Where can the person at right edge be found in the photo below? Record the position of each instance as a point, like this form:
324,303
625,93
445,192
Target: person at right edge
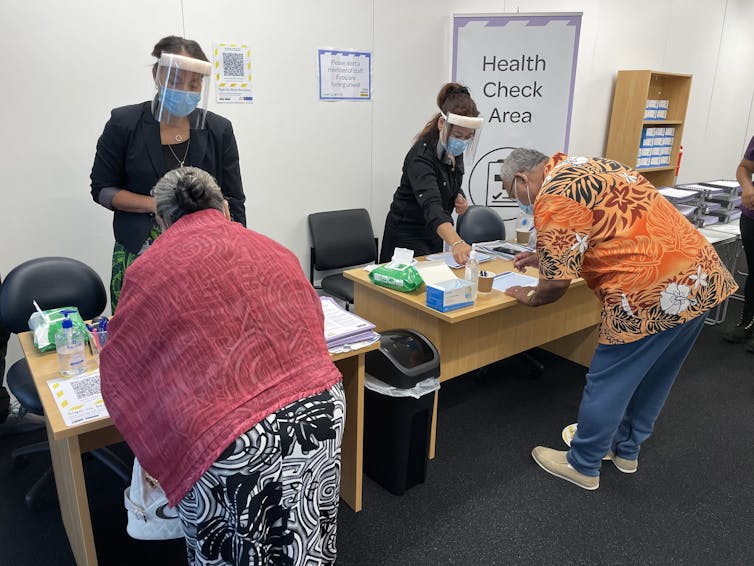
419,217
655,275
744,330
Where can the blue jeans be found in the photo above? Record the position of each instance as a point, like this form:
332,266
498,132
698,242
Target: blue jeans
626,388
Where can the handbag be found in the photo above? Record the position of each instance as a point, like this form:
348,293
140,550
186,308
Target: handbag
149,515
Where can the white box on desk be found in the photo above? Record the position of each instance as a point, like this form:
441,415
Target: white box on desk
450,295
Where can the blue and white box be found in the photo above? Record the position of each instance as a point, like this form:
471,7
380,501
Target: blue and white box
650,110
450,295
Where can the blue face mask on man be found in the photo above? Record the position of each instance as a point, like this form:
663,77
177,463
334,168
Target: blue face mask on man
180,102
457,146
527,209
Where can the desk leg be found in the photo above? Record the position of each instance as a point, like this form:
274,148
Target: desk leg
433,428
74,504
352,449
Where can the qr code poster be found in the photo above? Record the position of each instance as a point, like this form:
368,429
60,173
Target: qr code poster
344,75
232,68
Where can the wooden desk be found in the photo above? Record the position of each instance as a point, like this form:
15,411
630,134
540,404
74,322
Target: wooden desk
494,328
68,443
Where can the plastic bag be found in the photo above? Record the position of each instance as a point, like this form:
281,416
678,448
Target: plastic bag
44,330
429,385
396,276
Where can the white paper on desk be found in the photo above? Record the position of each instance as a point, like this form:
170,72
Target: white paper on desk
339,322
78,398
434,271
447,257
510,279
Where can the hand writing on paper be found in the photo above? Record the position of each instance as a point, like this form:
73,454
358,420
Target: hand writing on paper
525,259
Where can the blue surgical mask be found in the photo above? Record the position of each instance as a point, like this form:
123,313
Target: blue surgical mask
180,102
527,209
457,146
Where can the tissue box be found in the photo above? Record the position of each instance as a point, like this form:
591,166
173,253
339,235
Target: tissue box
450,295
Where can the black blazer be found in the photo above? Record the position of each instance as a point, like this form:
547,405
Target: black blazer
129,156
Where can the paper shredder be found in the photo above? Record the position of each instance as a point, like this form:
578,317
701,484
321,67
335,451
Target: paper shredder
397,428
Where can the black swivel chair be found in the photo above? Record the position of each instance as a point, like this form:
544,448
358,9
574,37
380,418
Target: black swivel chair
480,224
340,239
483,224
53,282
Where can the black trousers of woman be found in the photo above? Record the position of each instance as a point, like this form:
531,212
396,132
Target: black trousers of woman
747,238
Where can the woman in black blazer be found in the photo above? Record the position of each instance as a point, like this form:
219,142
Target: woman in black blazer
141,142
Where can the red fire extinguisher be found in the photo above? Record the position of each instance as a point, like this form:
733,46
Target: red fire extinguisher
678,165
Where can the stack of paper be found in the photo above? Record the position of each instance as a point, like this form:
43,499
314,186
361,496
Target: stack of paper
687,210
677,196
729,186
345,331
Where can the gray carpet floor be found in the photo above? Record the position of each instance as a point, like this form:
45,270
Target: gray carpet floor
484,500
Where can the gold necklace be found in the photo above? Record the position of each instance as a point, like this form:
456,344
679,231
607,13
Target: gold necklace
185,154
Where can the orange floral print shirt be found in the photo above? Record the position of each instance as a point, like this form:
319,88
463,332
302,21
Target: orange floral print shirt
602,221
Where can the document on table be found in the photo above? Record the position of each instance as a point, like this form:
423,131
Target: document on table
79,398
343,328
510,279
447,257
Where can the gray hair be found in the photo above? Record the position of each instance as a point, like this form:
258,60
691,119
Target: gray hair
183,191
519,160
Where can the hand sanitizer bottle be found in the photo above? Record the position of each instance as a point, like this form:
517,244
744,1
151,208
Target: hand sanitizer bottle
69,343
472,270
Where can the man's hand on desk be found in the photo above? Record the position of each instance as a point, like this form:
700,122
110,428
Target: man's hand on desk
525,259
546,292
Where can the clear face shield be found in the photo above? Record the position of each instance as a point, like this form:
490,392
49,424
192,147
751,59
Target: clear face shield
182,90
460,135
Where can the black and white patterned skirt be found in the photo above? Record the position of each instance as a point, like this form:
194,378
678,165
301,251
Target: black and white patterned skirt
272,495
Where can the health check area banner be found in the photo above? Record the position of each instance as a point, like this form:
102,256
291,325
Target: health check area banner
520,70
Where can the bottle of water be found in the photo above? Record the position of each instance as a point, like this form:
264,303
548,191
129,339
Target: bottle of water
69,343
472,270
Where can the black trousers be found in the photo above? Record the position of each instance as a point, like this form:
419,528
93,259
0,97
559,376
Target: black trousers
417,238
747,238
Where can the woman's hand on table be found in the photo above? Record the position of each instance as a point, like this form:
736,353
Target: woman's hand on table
461,252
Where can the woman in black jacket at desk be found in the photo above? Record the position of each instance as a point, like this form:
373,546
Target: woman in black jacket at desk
141,142
430,188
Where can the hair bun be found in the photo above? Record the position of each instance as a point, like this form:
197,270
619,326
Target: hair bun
191,193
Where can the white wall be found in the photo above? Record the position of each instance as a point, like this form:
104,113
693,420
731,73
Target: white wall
67,64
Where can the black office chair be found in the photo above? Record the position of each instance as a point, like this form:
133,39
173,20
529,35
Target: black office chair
53,282
340,239
483,224
480,224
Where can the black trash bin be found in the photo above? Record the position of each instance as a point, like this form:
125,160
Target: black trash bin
397,428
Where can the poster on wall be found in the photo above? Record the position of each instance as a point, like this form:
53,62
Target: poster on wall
344,75
232,67
520,70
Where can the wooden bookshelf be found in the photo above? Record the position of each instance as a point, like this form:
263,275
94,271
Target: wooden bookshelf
632,91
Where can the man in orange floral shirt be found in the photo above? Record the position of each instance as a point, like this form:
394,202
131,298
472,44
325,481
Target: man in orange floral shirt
655,274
